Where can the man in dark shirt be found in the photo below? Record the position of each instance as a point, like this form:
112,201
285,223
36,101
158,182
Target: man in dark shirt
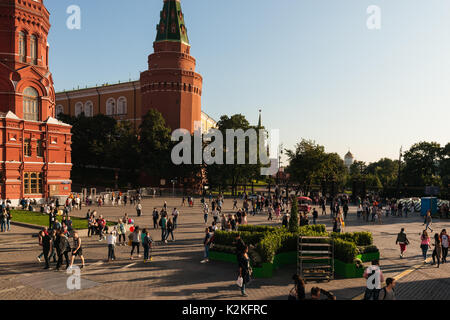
47,247
240,245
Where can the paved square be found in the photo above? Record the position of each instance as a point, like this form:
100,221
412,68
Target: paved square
176,272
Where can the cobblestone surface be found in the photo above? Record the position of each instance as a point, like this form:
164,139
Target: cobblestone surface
176,272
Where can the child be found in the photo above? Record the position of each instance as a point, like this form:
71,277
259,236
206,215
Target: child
111,239
147,247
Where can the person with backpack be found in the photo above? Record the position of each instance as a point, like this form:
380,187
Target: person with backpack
403,241
388,292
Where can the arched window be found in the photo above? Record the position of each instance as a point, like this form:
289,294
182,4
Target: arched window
89,109
22,46
78,109
59,110
30,104
111,107
34,49
122,106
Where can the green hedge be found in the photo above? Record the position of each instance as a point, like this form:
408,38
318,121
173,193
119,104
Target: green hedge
250,228
345,251
266,242
359,238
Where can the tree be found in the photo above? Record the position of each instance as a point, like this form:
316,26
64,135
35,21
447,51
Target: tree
155,145
422,164
293,221
233,174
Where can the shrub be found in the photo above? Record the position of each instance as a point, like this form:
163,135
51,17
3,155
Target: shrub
344,251
224,249
229,238
363,238
250,228
367,249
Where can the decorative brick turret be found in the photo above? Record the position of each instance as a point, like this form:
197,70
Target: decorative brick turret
171,85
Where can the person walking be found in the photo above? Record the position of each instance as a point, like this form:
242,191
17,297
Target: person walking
3,220
121,231
207,245
428,221
244,271
175,215
111,240
163,225
424,245
155,218
374,278
403,241
135,241
170,229
388,292
437,252
77,250
47,248
139,209
315,215
62,249
445,243
205,213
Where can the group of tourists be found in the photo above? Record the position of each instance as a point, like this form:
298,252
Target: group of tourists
5,218
56,245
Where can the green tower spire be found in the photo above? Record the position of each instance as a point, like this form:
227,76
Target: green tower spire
171,26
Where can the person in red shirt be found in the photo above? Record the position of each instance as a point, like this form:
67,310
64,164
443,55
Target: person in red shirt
101,227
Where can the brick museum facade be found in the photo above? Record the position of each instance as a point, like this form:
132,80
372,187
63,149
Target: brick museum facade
35,148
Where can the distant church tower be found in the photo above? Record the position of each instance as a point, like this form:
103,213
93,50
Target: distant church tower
348,160
171,85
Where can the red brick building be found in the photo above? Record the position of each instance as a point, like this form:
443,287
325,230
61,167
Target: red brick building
35,152
170,85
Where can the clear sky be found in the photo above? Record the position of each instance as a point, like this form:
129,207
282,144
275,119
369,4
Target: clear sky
312,66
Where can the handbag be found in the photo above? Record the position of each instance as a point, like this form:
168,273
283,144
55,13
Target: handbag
240,282
292,294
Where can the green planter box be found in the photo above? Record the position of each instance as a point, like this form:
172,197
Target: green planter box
266,271
221,256
284,259
347,270
367,257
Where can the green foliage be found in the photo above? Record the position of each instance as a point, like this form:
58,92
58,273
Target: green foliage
252,228
229,238
359,238
294,220
367,249
345,251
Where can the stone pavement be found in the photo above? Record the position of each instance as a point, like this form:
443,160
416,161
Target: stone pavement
176,272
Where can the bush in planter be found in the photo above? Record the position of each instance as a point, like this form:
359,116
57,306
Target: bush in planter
224,248
251,228
363,238
367,249
229,238
344,251
358,263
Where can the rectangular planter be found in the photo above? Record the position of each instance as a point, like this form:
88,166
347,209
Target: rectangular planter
368,257
347,270
221,256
